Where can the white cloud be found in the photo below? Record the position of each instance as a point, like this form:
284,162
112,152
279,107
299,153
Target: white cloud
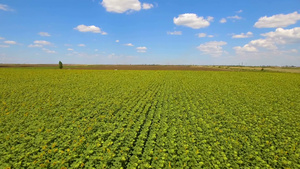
277,21
235,17
272,39
121,6
92,28
192,20
44,34
213,48
10,42
263,43
128,44
232,18
141,49
117,41
147,6
245,48
279,37
240,11
223,20
5,7
42,42
39,44
243,35
203,35
70,49
175,33
210,19
284,36
1,38
81,45
4,46
35,46
48,50
294,51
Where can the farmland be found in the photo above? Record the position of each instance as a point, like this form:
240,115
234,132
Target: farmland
52,118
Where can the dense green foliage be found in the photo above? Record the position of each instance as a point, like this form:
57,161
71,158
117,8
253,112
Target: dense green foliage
148,119
60,64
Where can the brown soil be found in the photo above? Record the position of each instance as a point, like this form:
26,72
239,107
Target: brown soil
121,67
26,65
148,67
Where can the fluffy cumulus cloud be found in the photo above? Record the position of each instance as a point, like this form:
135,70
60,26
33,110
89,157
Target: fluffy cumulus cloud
203,35
147,6
4,7
213,48
122,6
117,41
253,46
245,48
284,36
192,20
10,42
70,49
92,28
276,21
243,35
263,43
272,39
128,44
142,49
81,45
223,20
42,42
174,33
39,44
44,34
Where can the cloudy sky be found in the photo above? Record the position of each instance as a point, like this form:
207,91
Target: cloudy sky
219,32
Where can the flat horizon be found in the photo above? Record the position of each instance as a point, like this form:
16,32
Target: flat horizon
169,32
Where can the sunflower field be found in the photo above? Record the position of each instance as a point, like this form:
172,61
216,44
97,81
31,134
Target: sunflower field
51,118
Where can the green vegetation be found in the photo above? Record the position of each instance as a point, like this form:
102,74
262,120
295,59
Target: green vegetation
148,119
60,64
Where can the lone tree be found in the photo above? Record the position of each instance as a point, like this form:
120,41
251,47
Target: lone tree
60,64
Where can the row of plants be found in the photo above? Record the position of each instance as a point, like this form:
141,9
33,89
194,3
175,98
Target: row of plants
148,119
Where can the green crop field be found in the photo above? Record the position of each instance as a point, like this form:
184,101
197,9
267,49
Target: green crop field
62,119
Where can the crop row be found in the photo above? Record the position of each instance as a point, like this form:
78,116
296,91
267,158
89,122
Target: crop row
148,119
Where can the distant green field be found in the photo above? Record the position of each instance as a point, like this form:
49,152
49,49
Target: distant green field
52,118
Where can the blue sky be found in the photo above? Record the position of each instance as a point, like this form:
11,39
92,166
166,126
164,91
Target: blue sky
198,32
